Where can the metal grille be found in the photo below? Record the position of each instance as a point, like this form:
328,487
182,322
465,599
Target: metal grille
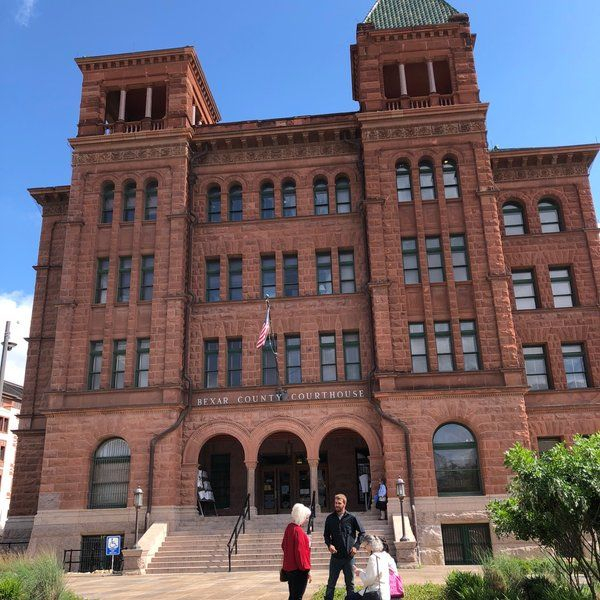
466,544
110,475
92,556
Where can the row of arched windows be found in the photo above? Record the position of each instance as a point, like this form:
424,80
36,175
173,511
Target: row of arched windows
287,194
427,187
454,448
129,193
513,216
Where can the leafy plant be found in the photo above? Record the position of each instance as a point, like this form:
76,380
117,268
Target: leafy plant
555,501
463,585
10,588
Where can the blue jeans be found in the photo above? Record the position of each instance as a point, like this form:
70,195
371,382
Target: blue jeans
335,566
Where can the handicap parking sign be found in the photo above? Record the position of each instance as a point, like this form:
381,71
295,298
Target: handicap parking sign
113,545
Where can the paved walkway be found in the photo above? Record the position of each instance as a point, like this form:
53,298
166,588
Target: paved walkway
213,586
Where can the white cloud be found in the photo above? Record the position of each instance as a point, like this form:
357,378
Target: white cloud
16,308
25,12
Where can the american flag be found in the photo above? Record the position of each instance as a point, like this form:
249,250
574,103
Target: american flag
266,328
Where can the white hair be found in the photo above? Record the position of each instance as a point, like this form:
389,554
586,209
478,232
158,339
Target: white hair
373,541
300,513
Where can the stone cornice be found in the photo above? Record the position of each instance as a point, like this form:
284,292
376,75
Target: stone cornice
130,154
425,130
540,172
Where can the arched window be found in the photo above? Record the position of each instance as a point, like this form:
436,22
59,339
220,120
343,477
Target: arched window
108,201
321,197
110,475
129,201
549,216
427,180
235,203
214,204
514,223
151,200
289,198
451,187
342,194
267,201
456,461
403,184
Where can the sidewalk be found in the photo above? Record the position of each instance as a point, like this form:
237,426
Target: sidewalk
213,586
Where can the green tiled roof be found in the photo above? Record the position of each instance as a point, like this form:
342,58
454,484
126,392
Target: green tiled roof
394,14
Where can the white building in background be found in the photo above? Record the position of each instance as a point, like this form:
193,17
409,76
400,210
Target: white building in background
9,422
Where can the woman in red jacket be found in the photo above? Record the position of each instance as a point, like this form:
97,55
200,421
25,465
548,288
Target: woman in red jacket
296,552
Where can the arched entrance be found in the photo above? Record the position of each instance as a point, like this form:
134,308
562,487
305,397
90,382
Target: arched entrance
282,474
222,457
343,462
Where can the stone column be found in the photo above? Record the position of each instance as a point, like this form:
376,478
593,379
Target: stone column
148,113
251,485
403,86
122,100
314,481
431,75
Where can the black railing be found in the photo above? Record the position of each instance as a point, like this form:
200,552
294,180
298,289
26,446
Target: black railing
76,561
313,513
6,547
240,525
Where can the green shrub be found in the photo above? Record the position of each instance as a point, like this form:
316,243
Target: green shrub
427,591
463,585
505,574
10,587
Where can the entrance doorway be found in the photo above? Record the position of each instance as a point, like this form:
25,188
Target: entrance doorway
283,474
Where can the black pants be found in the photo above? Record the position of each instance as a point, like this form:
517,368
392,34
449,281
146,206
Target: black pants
335,566
297,581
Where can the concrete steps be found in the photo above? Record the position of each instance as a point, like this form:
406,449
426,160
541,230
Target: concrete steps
200,545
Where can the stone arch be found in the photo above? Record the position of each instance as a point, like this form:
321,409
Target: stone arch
352,423
283,425
205,433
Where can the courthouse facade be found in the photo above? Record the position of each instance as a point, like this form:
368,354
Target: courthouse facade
433,301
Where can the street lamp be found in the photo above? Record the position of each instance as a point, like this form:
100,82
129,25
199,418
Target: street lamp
138,501
401,493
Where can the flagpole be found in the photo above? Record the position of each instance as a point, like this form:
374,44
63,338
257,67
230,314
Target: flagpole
281,391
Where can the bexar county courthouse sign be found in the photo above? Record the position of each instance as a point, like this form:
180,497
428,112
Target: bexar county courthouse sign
245,399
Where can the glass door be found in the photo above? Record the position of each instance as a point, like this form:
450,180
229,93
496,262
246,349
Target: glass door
269,492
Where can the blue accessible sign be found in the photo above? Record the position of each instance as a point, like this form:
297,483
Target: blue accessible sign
113,545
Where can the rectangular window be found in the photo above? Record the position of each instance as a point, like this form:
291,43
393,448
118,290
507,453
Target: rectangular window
562,290
269,362
328,358
293,364
118,364
574,361
142,366
213,280
95,365
234,363
101,281
290,275
321,195
147,278
211,363
460,262
214,205
268,276
535,367
410,261
235,278
466,544
289,199
129,203
347,276
470,348
418,347
124,287
524,288
3,425
547,443
443,344
324,276
435,259
351,356
2,451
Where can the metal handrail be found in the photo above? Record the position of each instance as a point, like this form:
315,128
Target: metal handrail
232,544
313,513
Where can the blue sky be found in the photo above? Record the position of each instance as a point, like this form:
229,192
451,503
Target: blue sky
537,62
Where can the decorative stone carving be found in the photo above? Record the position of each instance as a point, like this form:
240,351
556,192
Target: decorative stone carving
546,172
415,131
87,158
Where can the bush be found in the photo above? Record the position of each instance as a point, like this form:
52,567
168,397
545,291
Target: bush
427,591
506,574
10,588
463,585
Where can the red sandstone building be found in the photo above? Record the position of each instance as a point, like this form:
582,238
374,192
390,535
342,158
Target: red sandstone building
433,301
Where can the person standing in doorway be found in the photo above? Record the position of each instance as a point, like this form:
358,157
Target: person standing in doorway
343,535
381,502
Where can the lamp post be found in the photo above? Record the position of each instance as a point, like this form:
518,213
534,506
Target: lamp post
400,491
138,501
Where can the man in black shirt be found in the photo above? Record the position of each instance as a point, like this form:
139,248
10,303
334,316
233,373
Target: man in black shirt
343,535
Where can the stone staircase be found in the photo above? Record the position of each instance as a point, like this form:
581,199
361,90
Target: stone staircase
202,547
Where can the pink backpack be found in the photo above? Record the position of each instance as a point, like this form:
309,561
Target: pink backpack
396,586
